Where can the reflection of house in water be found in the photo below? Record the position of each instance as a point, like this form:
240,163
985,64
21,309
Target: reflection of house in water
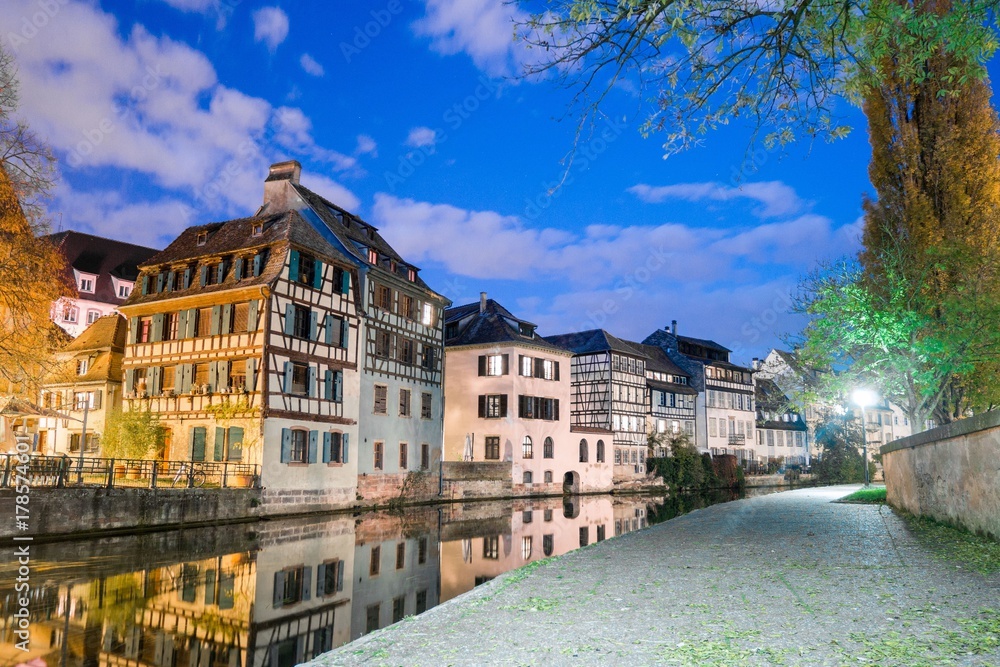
396,569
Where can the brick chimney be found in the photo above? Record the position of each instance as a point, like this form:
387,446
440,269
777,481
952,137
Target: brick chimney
673,327
278,193
482,302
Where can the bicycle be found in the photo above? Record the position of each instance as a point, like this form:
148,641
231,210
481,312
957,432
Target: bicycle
188,471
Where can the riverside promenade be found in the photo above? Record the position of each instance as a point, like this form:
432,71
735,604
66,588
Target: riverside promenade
793,578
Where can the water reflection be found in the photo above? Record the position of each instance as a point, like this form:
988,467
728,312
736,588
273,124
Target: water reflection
277,593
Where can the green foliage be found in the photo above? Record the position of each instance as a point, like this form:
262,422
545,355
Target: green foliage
841,461
683,469
135,434
871,495
957,545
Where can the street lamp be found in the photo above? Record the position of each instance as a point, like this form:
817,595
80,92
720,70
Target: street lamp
864,398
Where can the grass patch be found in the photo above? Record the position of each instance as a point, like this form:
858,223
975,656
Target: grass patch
950,544
976,636
870,495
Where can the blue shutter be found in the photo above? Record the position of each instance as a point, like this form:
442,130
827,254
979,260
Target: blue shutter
258,259
311,382
187,278
344,448
328,385
171,280
286,445
204,276
251,374
226,326
216,320
192,322
160,279
313,316
328,328
213,375
289,319
182,324
338,386
133,329
313,445
154,381
288,378
238,269
345,282
157,333
220,273
327,439
252,315
318,274
293,265
145,285
129,380
345,333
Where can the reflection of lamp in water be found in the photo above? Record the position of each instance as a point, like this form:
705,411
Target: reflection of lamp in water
864,398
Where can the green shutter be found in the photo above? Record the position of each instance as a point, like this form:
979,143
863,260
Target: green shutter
133,329
222,374
345,282
251,374
171,279
238,269
328,321
204,275
154,383
178,379
293,265
338,386
182,320
187,278
157,333
258,261
216,327
220,443
129,380
213,375
192,323
226,325
318,274
145,285
252,315
198,443
345,333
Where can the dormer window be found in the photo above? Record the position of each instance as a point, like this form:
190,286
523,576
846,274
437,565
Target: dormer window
258,229
87,285
411,275
372,256
124,290
81,366
202,238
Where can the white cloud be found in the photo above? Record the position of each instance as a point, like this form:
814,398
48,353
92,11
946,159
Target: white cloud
310,66
421,137
270,25
331,190
483,29
777,198
293,131
107,213
366,146
193,5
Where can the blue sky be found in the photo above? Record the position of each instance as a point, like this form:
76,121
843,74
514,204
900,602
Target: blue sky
166,113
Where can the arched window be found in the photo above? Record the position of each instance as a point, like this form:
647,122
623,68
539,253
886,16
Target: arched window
583,451
547,476
526,450
527,477
548,544
600,451
547,448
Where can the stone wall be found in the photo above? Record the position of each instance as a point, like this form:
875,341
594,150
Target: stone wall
277,502
476,479
382,489
950,473
100,510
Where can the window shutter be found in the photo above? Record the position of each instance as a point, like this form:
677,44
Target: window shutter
289,319
97,399
187,278
192,322
251,374
185,378
171,280
213,375
238,269
306,580
320,579
345,333
327,438
345,281
129,380
235,436
328,329
318,274
557,371
293,265
222,374
157,333
220,443
539,368
338,386
287,388
216,327
220,273
154,381
286,445
182,322
204,275
506,365
482,365
311,381
503,405
198,443
482,406
226,326
252,315
313,331
556,409
258,259
145,285
520,406
160,280
328,385
313,444
344,448
279,589
133,329
340,569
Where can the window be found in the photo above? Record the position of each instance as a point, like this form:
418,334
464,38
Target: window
375,562
331,577
583,451
204,323
493,406
378,455
70,313
299,452
241,317
404,403
491,548
425,405
494,364
526,366
427,317
407,349
526,547
93,316
428,357
493,447
167,379
170,326
144,333
301,324
548,369
81,366
202,238
333,447
712,428
381,399
600,533
548,544
526,477
526,448
401,555
288,586
305,272
421,602
258,229
600,451
124,291
425,456
548,449
300,379
547,476
421,551
383,297
406,308
383,344
371,617
584,535
398,605
618,456
402,456
87,285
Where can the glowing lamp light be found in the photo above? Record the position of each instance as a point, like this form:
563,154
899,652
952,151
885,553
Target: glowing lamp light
864,398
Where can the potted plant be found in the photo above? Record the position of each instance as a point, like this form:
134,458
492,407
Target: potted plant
135,434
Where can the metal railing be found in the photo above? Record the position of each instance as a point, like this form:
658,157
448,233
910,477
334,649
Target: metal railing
64,471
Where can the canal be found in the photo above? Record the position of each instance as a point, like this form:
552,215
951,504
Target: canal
277,593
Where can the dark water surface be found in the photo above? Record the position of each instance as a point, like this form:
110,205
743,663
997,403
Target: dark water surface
277,593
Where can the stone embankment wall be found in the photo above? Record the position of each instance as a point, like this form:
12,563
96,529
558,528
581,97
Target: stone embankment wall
950,473
476,479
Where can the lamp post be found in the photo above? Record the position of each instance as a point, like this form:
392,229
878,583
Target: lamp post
864,398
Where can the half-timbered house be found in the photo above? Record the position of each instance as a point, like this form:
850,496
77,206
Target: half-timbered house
243,338
670,398
781,430
725,406
401,346
508,396
608,384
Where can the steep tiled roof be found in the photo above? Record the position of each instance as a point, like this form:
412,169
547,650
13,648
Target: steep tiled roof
657,359
770,399
672,387
704,342
102,344
105,258
594,340
495,324
107,332
235,237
